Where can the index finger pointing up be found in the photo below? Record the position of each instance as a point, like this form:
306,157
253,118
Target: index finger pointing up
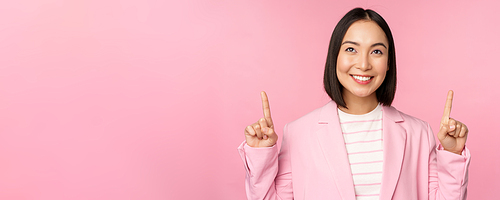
447,106
266,109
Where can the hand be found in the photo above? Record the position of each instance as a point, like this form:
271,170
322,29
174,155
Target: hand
452,133
261,133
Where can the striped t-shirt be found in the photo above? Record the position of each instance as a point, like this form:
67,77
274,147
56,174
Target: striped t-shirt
363,142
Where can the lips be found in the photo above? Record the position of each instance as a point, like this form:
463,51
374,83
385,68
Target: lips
362,79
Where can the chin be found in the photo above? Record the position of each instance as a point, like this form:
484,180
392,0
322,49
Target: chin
363,94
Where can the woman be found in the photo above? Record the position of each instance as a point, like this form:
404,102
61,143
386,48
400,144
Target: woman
357,146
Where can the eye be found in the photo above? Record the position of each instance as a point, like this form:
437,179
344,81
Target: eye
350,49
377,52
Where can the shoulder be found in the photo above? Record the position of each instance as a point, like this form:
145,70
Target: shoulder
309,118
321,115
404,119
418,133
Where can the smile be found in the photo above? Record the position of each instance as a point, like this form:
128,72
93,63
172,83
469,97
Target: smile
362,79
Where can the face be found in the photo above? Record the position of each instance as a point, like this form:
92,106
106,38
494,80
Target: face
362,62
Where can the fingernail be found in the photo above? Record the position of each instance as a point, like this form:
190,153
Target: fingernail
265,130
452,126
265,137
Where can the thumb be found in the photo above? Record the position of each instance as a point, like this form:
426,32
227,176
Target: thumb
443,131
451,125
447,129
265,130
270,135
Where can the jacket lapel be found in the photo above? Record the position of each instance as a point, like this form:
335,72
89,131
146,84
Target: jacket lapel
394,136
333,146
330,138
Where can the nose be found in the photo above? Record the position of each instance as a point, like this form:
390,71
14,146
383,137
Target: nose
364,63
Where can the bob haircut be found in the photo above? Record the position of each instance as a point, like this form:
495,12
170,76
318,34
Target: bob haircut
385,93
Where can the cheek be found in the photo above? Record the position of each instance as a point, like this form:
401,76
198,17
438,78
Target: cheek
342,64
381,66
382,73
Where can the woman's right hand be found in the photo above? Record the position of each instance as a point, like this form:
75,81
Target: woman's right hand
261,133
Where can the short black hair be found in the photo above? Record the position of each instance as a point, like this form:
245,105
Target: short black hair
386,92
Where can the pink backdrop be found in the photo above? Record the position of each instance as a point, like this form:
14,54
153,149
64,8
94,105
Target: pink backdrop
148,99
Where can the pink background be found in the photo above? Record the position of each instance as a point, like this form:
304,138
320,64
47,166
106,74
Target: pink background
148,99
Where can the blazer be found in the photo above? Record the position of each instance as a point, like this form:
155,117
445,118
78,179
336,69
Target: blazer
313,162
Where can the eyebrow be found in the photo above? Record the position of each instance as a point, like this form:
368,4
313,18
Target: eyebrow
357,44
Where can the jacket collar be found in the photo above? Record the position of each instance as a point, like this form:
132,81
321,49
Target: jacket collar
329,113
329,134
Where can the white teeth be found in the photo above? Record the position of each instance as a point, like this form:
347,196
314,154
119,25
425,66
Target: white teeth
362,78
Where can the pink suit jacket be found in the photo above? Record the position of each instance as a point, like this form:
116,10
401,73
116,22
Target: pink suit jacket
313,163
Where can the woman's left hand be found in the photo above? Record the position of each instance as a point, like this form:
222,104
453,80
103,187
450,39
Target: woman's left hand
452,133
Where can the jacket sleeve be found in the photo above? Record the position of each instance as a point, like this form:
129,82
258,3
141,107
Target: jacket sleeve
268,173
448,172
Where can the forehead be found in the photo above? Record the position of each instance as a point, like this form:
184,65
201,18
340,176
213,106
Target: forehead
364,31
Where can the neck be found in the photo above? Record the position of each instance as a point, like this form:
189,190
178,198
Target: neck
359,105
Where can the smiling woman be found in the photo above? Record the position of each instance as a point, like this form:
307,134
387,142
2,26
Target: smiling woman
357,146
362,65
347,38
